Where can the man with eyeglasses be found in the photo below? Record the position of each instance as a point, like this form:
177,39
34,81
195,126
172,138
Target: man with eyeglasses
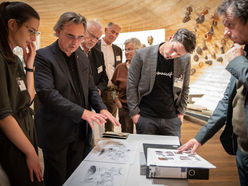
66,91
158,85
112,57
232,110
96,59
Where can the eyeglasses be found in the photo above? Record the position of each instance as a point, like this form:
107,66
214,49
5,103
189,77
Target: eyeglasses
129,49
72,37
92,35
32,31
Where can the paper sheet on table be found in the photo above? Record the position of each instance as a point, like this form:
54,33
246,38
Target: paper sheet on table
91,173
112,151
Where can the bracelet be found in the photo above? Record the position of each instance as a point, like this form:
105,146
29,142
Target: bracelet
29,69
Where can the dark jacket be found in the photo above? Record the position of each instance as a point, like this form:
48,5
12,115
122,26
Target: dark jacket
98,68
142,75
58,118
222,115
117,52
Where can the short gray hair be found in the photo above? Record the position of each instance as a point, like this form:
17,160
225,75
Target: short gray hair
239,8
111,24
95,23
136,42
70,17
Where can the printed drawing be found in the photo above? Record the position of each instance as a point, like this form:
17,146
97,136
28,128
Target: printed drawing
98,174
102,176
115,151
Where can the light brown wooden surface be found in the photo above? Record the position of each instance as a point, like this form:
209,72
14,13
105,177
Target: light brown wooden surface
225,173
135,15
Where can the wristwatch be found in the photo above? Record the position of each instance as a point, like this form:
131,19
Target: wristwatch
29,69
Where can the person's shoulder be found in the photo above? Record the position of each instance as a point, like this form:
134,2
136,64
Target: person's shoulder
46,50
148,50
96,50
98,45
121,65
187,57
116,46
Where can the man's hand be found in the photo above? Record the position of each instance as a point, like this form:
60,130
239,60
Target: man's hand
109,116
118,103
180,116
193,143
99,92
236,51
135,118
91,117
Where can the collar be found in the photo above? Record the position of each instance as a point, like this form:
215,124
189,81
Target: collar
105,44
87,53
246,50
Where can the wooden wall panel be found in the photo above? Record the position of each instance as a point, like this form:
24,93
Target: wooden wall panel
135,15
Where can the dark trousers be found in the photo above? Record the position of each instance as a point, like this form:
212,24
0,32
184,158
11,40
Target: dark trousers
242,164
14,164
159,126
125,120
107,98
60,163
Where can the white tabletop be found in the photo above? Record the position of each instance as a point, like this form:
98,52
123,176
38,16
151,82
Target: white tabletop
133,177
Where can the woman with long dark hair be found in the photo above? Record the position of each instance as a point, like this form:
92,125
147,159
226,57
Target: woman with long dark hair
19,23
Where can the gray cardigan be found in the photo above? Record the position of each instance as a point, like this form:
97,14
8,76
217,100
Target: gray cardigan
142,74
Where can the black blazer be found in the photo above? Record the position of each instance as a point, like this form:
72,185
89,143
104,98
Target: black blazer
117,52
58,118
98,68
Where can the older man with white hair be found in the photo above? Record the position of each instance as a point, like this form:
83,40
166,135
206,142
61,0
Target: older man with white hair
92,35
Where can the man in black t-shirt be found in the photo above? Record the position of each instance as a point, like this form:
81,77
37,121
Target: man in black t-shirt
158,85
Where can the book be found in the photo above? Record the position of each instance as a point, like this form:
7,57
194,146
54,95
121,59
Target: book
168,163
119,135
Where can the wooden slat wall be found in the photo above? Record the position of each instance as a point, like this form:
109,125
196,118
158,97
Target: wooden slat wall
135,15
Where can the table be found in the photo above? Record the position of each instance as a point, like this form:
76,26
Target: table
133,177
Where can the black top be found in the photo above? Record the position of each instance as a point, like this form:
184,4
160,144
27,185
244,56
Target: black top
14,97
160,102
71,62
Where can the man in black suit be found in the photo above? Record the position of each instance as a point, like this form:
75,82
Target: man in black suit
112,57
66,90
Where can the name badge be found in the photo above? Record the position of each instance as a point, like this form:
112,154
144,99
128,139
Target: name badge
178,82
99,69
21,84
118,58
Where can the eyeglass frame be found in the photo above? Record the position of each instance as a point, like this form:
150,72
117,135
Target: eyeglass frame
129,49
72,37
32,31
92,35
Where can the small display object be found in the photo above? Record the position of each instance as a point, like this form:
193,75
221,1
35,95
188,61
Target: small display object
119,135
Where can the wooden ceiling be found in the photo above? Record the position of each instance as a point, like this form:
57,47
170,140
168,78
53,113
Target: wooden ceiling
131,15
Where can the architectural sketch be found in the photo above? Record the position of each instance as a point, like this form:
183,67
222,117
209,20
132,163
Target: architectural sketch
112,150
98,174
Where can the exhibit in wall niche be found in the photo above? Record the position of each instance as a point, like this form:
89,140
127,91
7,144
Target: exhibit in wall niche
208,75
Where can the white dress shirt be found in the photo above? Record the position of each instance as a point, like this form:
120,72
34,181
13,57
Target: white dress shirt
109,60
